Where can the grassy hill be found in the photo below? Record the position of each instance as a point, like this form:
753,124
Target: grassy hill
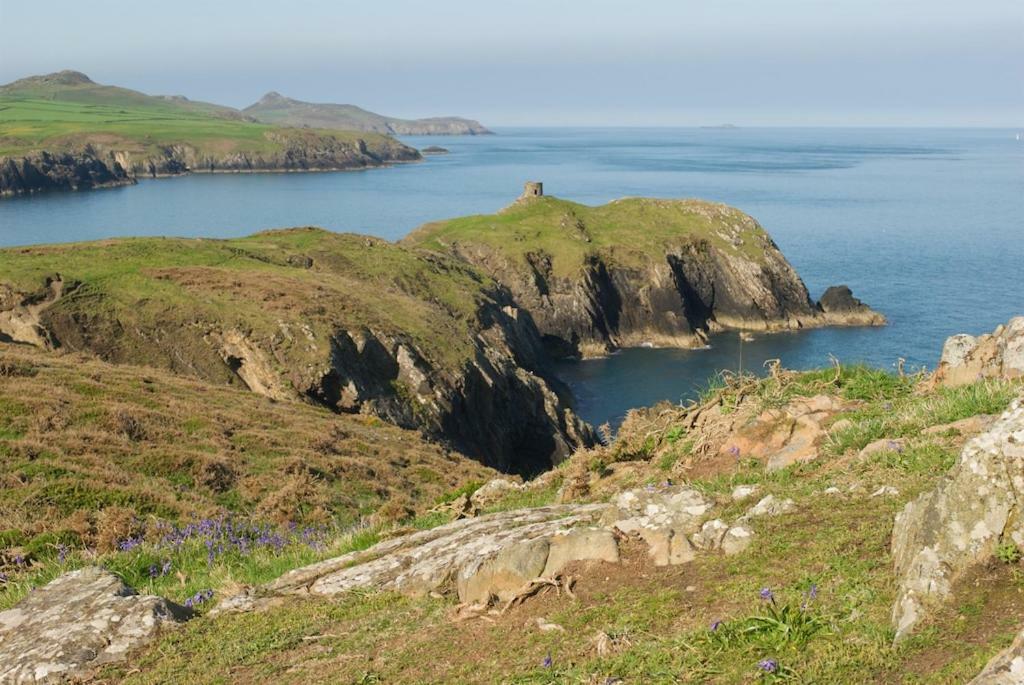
274,108
67,111
630,230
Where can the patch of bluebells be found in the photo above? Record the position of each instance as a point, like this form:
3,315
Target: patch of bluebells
768,665
225,535
198,598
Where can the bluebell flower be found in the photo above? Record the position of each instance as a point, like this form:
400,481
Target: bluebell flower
768,665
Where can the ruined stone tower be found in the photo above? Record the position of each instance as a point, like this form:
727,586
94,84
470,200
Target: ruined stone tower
532,189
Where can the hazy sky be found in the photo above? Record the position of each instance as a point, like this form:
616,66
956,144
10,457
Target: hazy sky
592,62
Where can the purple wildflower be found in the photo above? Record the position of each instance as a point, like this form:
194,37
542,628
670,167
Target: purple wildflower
62,553
735,451
715,625
3,577
19,560
165,568
548,661
153,571
812,592
768,665
767,594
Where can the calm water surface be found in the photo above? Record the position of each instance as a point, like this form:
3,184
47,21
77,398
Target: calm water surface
925,225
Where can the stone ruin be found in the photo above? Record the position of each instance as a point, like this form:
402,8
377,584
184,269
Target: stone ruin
532,189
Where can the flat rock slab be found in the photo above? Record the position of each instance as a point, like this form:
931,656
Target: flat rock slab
1006,667
82,619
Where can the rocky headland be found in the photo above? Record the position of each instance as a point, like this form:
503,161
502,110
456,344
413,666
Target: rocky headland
639,272
274,108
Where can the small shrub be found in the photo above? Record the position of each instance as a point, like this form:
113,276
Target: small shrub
1008,552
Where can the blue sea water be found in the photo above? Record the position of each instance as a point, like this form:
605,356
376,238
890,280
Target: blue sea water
926,225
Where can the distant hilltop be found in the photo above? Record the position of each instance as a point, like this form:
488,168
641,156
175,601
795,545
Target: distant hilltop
274,108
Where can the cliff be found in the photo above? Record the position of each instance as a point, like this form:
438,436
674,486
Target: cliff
639,272
274,108
348,322
61,171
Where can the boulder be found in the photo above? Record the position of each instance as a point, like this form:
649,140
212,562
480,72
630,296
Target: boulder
581,544
882,445
782,437
710,535
840,307
80,620
742,492
1006,667
505,574
769,506
736,539
958,524
966,359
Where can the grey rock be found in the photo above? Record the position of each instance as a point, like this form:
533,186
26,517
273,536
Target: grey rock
769,506
1006,667
957,525
736,539
80,620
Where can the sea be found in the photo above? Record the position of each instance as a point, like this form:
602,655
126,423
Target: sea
925,225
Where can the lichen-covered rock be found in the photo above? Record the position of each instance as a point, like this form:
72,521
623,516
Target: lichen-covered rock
769,506
957,525
506,573
82,619
782,437
581,544
1006,667
966,359
736,539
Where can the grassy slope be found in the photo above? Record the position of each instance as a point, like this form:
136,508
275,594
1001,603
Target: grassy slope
163,284
40,114
661,616
92,453
628,231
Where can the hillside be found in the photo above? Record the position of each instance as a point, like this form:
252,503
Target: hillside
638,271
758,535
87,446
274,108
63,131
349,322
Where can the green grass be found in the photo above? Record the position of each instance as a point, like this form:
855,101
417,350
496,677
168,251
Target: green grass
624,232
38,114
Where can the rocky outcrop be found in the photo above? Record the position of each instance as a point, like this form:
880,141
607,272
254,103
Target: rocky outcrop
640,272
494,557
967,359
959,524
275,108
81,620
80,170
1006,667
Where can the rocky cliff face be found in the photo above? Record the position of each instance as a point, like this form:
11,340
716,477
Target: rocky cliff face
286,150
62,171
348,322
640,272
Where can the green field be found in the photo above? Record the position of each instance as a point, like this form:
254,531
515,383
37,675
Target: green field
63,111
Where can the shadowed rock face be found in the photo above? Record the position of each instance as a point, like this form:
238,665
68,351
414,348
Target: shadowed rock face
959,524
61,171
82,619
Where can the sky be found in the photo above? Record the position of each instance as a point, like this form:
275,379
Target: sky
569,62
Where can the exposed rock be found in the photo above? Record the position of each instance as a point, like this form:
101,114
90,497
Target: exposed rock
80,620
769,506
886,491
494,490
580,544
742,492
710,535
966,359
506,573
1006,667
434,150
969,426
882,445
736,539
840,307
946,531
782,437
72,170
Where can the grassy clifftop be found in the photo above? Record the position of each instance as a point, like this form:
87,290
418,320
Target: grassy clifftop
630,230
67,111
